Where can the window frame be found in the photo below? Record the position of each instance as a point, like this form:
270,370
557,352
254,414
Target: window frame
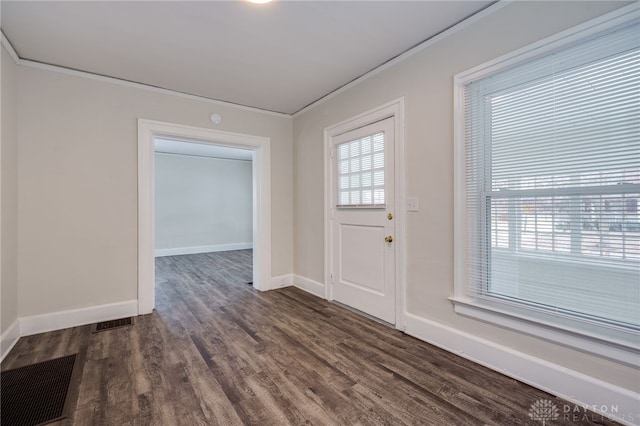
611,342
372,170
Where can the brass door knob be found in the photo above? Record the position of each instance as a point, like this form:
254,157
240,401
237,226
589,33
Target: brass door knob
388,239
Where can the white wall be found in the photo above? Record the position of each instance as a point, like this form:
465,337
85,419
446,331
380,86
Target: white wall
202,204
77,152
426,82
9,201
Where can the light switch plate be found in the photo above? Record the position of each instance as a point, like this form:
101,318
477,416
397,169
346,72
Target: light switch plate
412,204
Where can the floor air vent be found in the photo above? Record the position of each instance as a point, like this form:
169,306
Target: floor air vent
108,325
37,394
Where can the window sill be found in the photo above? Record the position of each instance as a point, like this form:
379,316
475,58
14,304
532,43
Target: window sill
612,343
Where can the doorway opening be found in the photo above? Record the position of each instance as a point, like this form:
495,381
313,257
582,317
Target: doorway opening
150,131
203,215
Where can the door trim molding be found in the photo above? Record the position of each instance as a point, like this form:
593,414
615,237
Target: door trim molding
394,109
147,131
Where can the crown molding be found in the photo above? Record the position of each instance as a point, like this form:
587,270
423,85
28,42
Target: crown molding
492,8
107,79
10,50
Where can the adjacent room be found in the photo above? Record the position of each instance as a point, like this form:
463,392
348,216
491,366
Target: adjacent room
312,212
203,210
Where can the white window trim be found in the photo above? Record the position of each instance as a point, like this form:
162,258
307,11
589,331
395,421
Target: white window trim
613,343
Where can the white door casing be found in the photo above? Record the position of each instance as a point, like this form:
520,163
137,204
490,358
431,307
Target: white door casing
362,270
147,131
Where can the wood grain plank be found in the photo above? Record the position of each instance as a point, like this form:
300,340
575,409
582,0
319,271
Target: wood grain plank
217,352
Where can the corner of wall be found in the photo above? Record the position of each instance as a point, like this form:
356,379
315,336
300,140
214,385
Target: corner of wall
9,338
8,196
314,287
282,281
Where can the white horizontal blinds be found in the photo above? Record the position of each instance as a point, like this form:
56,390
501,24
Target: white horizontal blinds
553,181
360,165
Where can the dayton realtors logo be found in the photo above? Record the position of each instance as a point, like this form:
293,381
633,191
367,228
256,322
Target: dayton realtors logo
544,410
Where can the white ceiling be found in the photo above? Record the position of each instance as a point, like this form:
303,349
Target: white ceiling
279,56
169,146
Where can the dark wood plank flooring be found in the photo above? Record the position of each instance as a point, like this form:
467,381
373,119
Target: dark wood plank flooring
218,352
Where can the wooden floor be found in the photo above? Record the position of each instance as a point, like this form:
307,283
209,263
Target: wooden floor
217,352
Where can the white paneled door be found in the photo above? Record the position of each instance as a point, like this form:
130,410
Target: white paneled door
363,230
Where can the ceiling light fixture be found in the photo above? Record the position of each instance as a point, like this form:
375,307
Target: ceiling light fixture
260,1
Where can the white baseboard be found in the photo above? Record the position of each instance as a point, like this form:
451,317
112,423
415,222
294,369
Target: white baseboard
314,287
282,281
9,338
76,317
586,392
202,249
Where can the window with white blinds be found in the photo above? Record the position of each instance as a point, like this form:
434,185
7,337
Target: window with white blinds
551,185
361,172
